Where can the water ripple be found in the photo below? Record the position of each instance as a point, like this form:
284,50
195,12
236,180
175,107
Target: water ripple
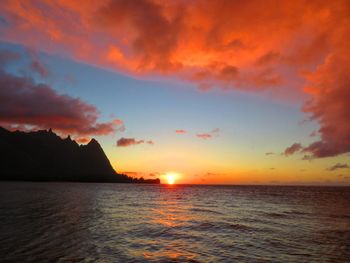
72,222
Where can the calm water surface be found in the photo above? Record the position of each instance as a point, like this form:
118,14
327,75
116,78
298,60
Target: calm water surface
76,222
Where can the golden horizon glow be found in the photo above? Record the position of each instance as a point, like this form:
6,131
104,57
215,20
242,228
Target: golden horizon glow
171,177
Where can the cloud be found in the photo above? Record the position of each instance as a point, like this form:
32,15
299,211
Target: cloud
296,49
269,153
132,174
82,140
307,158
269,57
119,124
24,103
141,174
150,23
338,166
180,131
8,57
344,176
296,147
154,174
185,38
330,105
313,134
228,73
204,136
215,131
125,142
37,66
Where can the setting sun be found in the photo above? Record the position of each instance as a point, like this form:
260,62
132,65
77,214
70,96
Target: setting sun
171,178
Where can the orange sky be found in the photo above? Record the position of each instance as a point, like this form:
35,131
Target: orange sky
293,51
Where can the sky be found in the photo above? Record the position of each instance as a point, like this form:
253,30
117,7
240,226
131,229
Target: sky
214,92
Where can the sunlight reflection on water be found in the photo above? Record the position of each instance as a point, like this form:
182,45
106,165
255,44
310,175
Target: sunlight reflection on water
158,223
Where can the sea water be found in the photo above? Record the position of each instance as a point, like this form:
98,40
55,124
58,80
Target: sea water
92,222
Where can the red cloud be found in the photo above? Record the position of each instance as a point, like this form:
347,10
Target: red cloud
124,142
296,147
338,166
180,131
249,45
119,124
330,85
195,39
214,132
204,136
24,103
82,140
37,66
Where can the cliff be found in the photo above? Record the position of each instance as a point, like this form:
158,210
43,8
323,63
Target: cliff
44,156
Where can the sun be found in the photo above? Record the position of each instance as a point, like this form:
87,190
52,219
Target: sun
171,178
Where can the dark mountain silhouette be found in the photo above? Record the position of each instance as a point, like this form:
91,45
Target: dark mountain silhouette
44,156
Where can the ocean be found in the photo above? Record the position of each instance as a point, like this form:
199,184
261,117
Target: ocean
94,222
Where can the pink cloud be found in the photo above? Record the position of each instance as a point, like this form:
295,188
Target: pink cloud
119,124
82,140
37,66
216,131
338,166
204,136
180,131
24,103
296,147
330,106
125,142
